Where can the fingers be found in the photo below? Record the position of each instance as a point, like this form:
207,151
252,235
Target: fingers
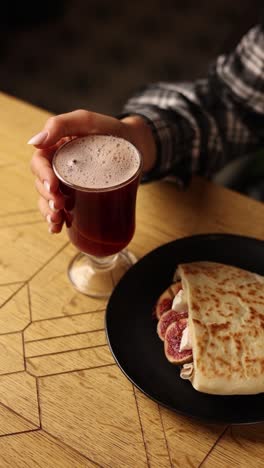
41,167
54,219
56,200
76,123
58,129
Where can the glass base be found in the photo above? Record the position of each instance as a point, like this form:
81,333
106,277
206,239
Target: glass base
97,277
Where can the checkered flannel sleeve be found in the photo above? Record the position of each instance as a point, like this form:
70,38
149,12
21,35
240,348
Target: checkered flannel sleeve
200,126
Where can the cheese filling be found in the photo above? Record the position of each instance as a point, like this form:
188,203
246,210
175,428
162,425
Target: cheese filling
179,302
186,340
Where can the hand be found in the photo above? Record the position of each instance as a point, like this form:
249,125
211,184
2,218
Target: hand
61,128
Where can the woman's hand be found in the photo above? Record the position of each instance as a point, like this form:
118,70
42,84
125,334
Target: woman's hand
63,127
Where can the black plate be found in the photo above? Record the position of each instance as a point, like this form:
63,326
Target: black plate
133,339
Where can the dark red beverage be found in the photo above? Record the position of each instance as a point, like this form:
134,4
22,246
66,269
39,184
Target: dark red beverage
99,176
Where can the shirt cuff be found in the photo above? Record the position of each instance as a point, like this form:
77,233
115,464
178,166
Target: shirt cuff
163,136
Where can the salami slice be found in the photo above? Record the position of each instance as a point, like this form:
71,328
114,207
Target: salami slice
166,319
172,343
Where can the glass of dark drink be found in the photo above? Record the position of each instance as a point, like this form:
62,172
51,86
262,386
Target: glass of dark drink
99,177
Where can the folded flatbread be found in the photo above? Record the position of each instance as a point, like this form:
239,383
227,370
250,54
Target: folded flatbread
225,320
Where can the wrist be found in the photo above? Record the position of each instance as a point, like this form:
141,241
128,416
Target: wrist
141,136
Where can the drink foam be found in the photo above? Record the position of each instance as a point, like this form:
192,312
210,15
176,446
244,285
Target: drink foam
96,161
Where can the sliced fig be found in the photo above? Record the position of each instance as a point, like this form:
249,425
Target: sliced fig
164,302
166,319
172,343
176,287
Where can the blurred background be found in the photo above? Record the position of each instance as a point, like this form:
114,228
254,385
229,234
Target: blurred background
68,54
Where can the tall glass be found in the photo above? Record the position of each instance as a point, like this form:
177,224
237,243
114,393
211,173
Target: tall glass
100,220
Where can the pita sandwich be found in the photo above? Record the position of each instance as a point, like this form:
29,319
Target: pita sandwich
216,328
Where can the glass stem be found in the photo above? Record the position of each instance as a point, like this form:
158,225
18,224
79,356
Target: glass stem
103,263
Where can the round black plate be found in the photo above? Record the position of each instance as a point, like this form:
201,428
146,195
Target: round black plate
132,336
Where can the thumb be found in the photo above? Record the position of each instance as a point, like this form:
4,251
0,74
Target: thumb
76,123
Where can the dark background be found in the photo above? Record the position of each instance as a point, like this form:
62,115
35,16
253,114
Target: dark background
67,54
63,55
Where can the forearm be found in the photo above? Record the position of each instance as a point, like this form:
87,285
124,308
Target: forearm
200,126
142,137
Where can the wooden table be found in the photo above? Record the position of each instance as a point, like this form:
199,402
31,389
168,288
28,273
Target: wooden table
63,400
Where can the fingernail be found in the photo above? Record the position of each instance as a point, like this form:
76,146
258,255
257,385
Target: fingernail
52,207
49,220
38,139
46,185
51,230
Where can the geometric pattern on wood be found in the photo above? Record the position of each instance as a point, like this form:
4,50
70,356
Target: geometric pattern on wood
38,449
62,397
15,313
94,411
47,303
240,446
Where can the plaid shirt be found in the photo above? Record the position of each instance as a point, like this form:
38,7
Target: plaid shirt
200,126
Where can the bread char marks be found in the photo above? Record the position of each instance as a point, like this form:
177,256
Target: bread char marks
224,300
199,302
219,365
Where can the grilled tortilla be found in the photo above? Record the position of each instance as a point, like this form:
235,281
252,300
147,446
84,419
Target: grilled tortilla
226,322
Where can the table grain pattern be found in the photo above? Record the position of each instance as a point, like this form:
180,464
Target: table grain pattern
63,400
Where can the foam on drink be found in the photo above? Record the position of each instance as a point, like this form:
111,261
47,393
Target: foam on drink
97,161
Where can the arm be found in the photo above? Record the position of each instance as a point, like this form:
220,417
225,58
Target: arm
200,126
179,128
